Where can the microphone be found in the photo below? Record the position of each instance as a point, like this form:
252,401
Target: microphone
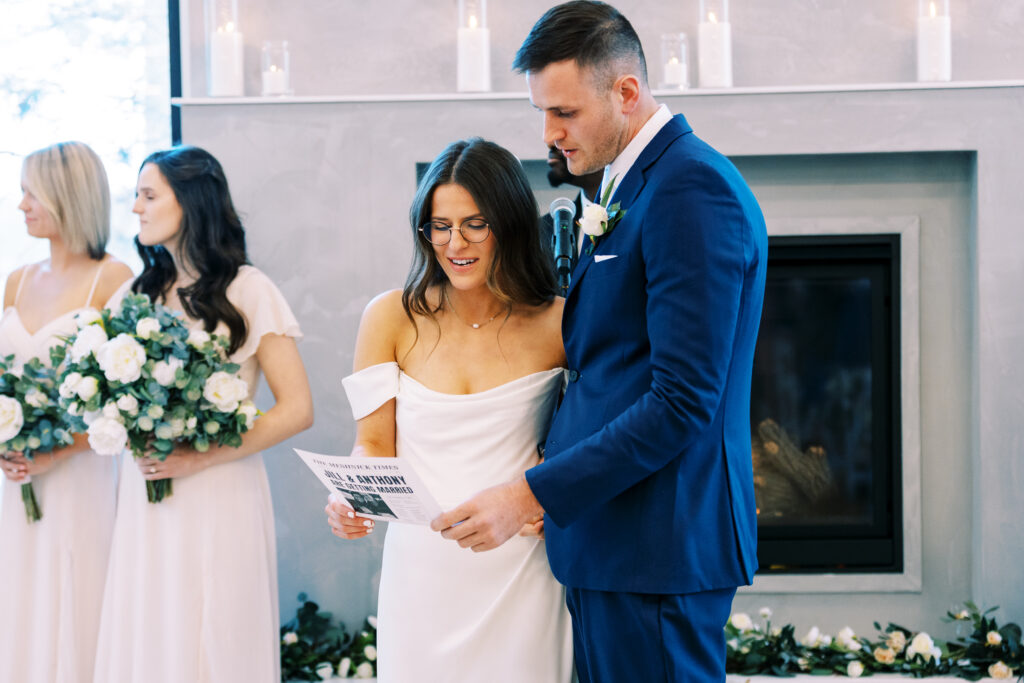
563,213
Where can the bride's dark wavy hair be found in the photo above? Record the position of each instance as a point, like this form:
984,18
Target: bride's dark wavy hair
212,241
494,178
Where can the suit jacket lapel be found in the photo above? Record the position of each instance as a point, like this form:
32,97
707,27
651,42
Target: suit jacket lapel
629,188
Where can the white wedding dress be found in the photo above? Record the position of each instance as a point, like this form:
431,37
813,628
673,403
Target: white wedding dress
191,592
52,571
446,614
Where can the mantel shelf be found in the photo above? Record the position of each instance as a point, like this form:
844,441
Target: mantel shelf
491,96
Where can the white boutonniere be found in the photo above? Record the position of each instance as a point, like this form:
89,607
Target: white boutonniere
599,219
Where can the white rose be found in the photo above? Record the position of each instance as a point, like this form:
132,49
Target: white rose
121,359
248,408
594,219
67,387
290,638
197,338
147,327
848,640
765,613
1000,670
36,398
364,670
164,371
87,388
75,408
128,404
963,615
922,645
854,669
343,666
371,652
372,620
87,317
812,639
896,641
741,621
107,437
993,638
111,411
225,391
191,422
11,418
89,340
324,670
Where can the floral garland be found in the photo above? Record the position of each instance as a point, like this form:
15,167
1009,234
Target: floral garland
314,649
988,651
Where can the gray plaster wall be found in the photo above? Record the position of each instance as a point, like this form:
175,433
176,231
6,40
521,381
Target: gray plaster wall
345,47
325,191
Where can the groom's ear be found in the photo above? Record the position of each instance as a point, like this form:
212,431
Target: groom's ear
627,89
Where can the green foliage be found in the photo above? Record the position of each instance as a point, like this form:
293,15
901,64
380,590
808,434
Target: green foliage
311,640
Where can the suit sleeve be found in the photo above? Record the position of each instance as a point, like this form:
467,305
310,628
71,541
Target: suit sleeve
694,238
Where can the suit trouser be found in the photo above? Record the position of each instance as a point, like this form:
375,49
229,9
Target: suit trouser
626,637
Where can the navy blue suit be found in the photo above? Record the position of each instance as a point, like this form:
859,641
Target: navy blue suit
647,483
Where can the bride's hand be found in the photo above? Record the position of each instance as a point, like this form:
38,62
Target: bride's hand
182,462
14,465
534,528
343,520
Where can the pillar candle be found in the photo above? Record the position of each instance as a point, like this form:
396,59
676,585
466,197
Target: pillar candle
715,53
934,53
474,58
226,58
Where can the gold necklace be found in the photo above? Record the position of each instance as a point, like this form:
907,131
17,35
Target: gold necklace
475,326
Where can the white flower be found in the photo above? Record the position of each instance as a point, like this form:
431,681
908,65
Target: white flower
111,410
290,638
191,421
225,391
922,645
87,388
107,437
993,638
1000,670
344,665
164,371
87,317
594,218
804,664
371,652
372,619
145,423
197,338
75,408
963,615
121,359
11,418
885,655
89,340
164,431
324,670
741,621
67,387
364,670
146,327
765,613
812,638
128,404
854,669
896,641
847,640
177,427
248,408
36,398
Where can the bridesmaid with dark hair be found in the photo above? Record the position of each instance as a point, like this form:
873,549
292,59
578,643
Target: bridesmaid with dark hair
192,587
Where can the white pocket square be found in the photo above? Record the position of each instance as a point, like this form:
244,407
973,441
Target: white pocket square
604,257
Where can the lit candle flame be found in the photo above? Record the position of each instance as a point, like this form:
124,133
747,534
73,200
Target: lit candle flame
931,9
273,67
229,27
712,18
472,21
673,60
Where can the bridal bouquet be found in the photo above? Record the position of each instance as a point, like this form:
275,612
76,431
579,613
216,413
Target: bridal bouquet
138,378
30,417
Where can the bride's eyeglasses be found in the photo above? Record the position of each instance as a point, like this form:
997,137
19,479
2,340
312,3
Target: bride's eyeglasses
440,233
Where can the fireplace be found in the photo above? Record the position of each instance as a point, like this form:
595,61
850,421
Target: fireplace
825,406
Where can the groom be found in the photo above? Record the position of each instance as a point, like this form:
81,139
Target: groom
647,485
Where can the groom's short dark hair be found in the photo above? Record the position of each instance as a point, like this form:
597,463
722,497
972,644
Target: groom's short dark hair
592,33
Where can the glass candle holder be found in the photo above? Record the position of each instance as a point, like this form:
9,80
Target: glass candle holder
474,47
934,41
224,49
275,67
675,72
714,44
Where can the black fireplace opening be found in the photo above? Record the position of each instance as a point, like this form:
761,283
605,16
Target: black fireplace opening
825,406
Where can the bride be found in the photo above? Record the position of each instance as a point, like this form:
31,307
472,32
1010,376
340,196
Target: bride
459,373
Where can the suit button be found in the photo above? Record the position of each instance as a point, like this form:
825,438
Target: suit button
573,376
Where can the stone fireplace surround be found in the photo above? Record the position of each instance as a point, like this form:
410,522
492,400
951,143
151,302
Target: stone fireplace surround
324,185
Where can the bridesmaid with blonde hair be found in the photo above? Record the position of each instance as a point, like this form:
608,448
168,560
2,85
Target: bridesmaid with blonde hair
53,570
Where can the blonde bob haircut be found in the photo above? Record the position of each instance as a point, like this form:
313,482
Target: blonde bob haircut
69,181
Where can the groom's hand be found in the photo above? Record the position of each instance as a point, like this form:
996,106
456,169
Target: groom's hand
491,517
